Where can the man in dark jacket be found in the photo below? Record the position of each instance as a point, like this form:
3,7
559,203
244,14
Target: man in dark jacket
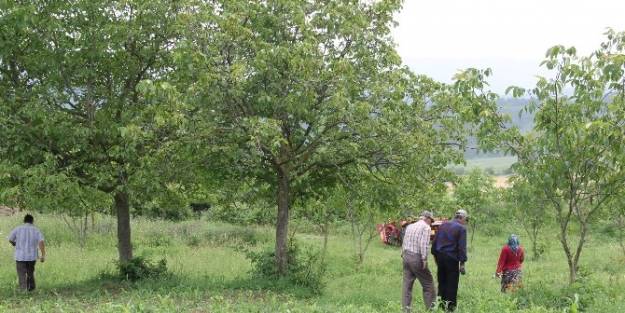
450,253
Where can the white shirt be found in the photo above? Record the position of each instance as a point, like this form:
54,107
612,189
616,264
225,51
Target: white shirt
417,238
26,238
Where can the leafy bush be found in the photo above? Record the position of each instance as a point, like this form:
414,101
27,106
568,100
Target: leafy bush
158,240
233,235
304,267
175,213
578,296
141,268
194,241
243,213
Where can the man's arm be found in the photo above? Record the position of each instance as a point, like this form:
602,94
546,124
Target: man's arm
12,238
425,235
432,247
42,247
462,245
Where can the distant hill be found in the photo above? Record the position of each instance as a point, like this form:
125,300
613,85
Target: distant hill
512,107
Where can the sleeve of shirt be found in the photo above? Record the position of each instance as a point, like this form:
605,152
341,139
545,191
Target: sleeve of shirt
462,245
522,253
12,237
423,244
502,260
432,249
40,236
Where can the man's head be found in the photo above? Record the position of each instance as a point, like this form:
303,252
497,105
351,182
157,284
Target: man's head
427,216
28,219
462,216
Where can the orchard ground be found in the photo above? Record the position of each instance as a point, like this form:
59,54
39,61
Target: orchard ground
211,274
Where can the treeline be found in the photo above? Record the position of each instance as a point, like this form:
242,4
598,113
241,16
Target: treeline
147,106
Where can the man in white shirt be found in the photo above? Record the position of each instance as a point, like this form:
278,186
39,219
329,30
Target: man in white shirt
26,239
415,254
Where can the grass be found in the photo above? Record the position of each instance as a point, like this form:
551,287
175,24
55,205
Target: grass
210,274
492,165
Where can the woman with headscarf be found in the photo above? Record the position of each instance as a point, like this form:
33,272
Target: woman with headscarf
509,265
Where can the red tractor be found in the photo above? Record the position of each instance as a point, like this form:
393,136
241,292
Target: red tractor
392,232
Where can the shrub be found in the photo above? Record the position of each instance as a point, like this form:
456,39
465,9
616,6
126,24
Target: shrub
242,213
158,240
194,241
141,268
304,267
579,295
234,235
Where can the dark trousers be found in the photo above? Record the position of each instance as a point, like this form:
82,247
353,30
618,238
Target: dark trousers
447,275
26,274
413,269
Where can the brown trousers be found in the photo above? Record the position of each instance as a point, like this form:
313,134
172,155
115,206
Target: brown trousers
413,269
26,274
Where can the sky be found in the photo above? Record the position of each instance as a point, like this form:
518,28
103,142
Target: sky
439,37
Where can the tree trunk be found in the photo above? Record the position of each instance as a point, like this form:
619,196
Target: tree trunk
283,221
572,272
533,234
361,254
534,250
620,231
578,252
325,230
473,231
122,208
569,257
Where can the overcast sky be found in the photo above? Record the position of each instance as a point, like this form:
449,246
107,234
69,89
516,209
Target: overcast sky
438,37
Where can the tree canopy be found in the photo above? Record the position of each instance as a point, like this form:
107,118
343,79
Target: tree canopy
575,154
127,100
83,87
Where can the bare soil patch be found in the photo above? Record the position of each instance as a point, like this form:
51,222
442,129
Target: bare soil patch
7,211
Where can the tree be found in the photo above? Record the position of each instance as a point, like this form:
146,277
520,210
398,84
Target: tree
616,221
529,208
323,208
576,156
475,193
298,91
363,199
619,225
85,95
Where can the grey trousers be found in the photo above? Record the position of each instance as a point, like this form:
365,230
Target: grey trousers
413,269
26,274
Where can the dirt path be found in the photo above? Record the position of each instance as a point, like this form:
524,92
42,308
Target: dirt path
6,211
502,182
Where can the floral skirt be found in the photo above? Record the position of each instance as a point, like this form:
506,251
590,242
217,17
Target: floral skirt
511,280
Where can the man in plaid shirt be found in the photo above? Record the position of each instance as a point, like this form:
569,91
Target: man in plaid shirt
415,254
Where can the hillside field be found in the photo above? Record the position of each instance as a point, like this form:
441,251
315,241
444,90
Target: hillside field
496,165
211,274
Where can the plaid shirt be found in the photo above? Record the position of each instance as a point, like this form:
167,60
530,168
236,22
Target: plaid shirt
417,238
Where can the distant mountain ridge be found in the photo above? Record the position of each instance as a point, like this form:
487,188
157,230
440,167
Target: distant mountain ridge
519,118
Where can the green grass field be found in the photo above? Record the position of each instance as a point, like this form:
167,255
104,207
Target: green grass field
211,275
492,165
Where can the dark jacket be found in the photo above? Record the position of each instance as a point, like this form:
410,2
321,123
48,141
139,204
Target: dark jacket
451,240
